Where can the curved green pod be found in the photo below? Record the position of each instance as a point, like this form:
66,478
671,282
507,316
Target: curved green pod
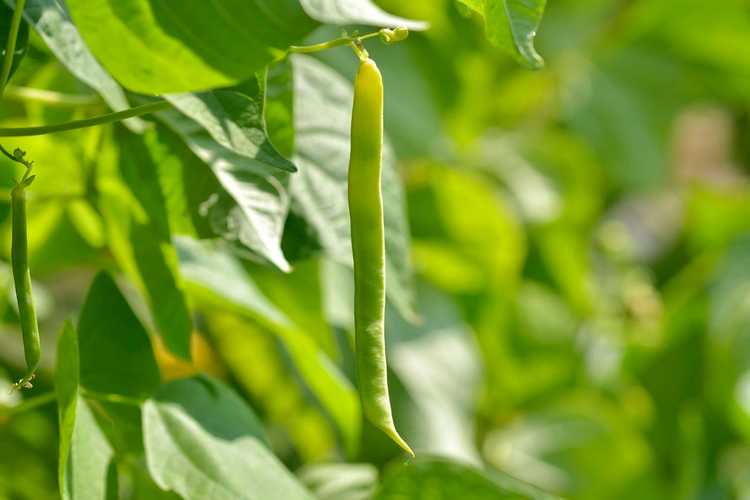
368,248
22,280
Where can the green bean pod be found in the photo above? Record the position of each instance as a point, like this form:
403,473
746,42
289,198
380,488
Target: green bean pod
368,249
22,280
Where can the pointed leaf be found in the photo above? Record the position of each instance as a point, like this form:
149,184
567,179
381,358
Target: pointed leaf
226,131
512,25
115,350
235,121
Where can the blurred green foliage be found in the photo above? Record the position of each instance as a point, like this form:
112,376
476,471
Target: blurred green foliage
580,237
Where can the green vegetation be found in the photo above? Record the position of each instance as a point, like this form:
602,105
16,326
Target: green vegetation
560,232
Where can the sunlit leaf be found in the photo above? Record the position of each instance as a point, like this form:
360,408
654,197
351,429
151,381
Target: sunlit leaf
226,131
197,45
356,12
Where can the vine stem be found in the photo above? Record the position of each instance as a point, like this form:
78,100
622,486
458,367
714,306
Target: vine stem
10,46
87,122
29,404
336,42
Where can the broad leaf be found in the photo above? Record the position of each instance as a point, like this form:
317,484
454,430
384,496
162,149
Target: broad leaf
322,116
84,468
202,441
51,21
356,12
115,350
197,45
512,25
22,38
135,212
226,131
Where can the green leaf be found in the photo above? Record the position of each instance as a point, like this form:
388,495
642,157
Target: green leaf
322,116
279,106
66,388
187,183
340,481
196,45
87,221
84,469
235,121
438,479
115,350
90,472
202,441
52,22
222,282
356,12
512,25
225,130
135,211
22,38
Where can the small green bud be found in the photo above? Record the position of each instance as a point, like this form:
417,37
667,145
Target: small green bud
394,35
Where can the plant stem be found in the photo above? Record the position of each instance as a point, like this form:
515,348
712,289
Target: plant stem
336,42
10,46
88,122
28,404
50,97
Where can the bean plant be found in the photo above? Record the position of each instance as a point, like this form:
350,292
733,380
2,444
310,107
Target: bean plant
374,249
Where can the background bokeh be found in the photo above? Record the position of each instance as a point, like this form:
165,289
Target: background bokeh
581,243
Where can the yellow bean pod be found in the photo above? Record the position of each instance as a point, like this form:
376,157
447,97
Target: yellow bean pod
368,248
